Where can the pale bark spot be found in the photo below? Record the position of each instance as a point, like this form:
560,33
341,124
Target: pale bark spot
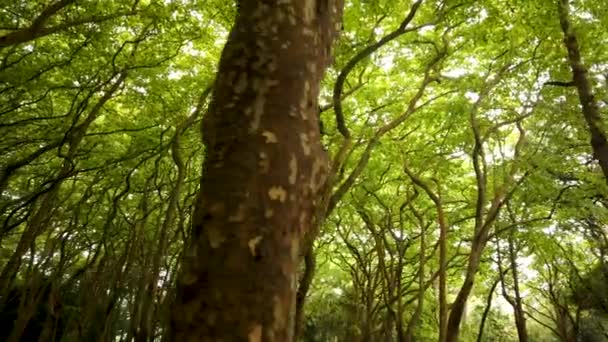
304,100
278,312
305,144
295,251
253,244
317,178
312,67
260,86
215,236
263,58
272,67
277,193
239,216
261,10
241,83
293,112
268,213
255,334
291,15
264,166
271,138
258,110
293,169
280,15
309,11
302,221
264,163
292,309
308,32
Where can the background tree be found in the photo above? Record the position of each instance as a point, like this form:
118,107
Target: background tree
432,221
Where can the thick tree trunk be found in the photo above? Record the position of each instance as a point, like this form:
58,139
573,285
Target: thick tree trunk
261,176
591,113
565,328
458,307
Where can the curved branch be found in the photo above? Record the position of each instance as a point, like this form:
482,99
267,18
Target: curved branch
339,85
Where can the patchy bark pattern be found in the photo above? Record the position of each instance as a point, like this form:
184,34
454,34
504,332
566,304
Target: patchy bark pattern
263,170
591,112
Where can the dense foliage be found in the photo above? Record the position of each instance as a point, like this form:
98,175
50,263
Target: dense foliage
464,174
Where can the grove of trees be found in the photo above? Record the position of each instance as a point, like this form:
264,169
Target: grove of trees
310,170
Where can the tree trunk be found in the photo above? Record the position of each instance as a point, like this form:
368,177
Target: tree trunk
458,307
591,113
486,310
149,307
47,202
303,287
564,325
261,176
518,309
413,323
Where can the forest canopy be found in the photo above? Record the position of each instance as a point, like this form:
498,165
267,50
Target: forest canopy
319,170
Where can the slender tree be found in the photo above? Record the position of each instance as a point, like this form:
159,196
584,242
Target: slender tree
580,79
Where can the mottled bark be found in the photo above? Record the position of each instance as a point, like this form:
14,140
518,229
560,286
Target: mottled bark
263,170
591,112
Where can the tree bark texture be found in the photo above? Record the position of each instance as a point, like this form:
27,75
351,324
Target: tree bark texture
263,170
